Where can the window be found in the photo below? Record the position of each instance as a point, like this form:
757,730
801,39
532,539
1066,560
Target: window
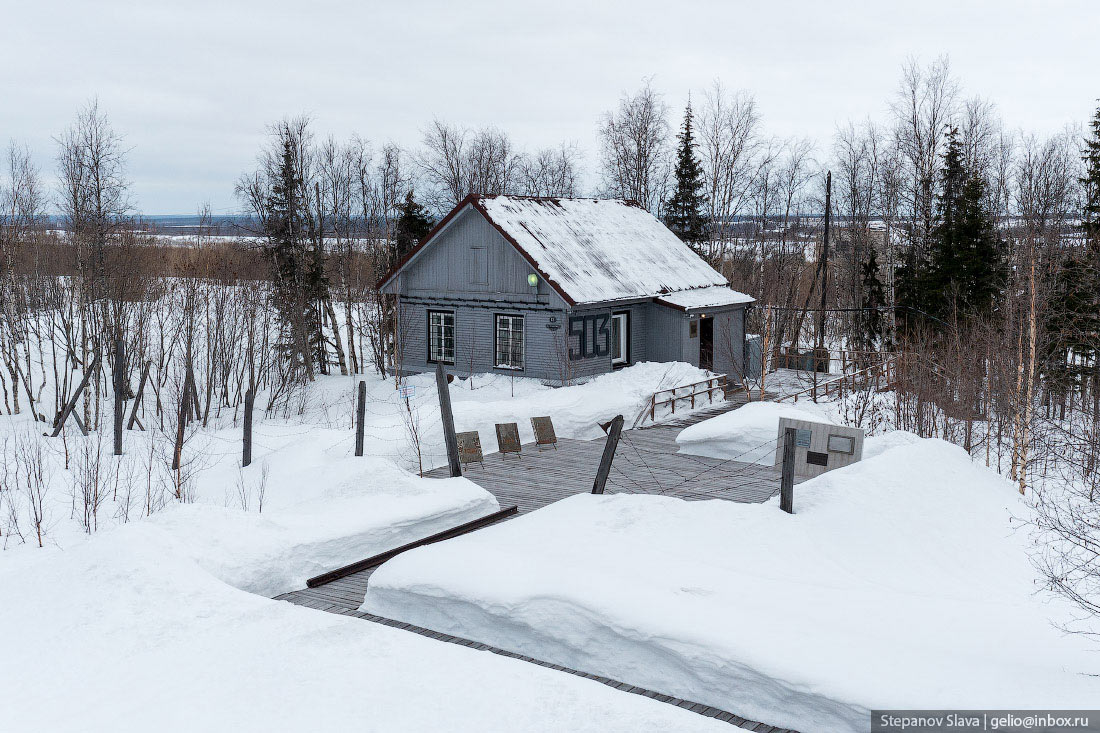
620,339
509,342
441,337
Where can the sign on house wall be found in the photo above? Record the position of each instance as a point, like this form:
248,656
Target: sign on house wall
593,334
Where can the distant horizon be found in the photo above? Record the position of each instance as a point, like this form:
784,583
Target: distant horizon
191,93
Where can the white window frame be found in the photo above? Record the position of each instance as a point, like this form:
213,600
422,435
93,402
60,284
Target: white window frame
437,337
513,359
624,338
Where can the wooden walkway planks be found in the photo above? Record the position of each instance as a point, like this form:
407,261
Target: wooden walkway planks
646,462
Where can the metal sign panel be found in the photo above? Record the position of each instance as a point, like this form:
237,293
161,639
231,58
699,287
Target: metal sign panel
406,391
544,431
842,444
802,438
469,447
508,437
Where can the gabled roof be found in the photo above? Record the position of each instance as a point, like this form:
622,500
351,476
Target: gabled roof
591,250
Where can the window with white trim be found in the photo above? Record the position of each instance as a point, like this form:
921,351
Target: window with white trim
441,337
509,342
620,339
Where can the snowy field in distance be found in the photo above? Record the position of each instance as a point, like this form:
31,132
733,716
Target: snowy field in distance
134,630
902,581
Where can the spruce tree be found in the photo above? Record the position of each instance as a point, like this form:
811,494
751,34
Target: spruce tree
870,332
965,268
298,275
1091,184
413,224
684,210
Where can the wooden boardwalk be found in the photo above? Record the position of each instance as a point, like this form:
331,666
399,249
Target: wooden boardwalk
645,462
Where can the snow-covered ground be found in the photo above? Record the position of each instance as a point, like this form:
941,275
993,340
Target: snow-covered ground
747,434
325,506
135,630
902,581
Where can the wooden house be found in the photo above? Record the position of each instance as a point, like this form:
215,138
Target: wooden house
561,290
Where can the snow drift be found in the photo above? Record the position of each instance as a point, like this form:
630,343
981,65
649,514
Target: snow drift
131,631
900,582
748,433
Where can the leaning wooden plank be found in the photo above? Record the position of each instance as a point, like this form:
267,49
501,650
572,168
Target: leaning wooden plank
447,534
68,408
544,431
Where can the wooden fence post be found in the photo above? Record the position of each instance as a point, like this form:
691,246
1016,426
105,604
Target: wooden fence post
608,455
786,483
360,416
246,451
119,385
448,420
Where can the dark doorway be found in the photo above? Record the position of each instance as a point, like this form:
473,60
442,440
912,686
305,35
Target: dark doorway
706,343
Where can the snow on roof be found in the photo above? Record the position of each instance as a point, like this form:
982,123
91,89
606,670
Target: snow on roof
595,250
712,296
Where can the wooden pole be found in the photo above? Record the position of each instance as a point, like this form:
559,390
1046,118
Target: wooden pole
448,420
120,387
184,417
68,408
246,451
786,484
137,398
608,455
360,416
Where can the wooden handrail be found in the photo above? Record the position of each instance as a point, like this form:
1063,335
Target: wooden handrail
713,383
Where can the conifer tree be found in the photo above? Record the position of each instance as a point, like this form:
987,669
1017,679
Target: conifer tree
413,224
870,333
965,268
684,210
299,280
1091,184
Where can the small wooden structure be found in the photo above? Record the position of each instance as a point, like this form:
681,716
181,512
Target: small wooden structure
544,432
469,448
508,439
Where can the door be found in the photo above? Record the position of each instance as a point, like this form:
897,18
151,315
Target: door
706,344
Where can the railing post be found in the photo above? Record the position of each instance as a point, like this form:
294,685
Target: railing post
786,483
608,455
360,416
448,420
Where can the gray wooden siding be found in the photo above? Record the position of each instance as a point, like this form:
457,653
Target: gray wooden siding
472,260
666,332
475,326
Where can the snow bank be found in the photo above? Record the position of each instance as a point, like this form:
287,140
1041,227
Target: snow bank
900,582
576,411
355,508
128,632
748,433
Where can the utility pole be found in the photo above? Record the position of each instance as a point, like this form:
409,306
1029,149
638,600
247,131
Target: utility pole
824,263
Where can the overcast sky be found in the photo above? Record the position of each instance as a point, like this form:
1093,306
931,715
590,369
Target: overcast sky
191,85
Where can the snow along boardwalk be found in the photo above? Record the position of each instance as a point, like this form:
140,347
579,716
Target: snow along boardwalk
646,462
